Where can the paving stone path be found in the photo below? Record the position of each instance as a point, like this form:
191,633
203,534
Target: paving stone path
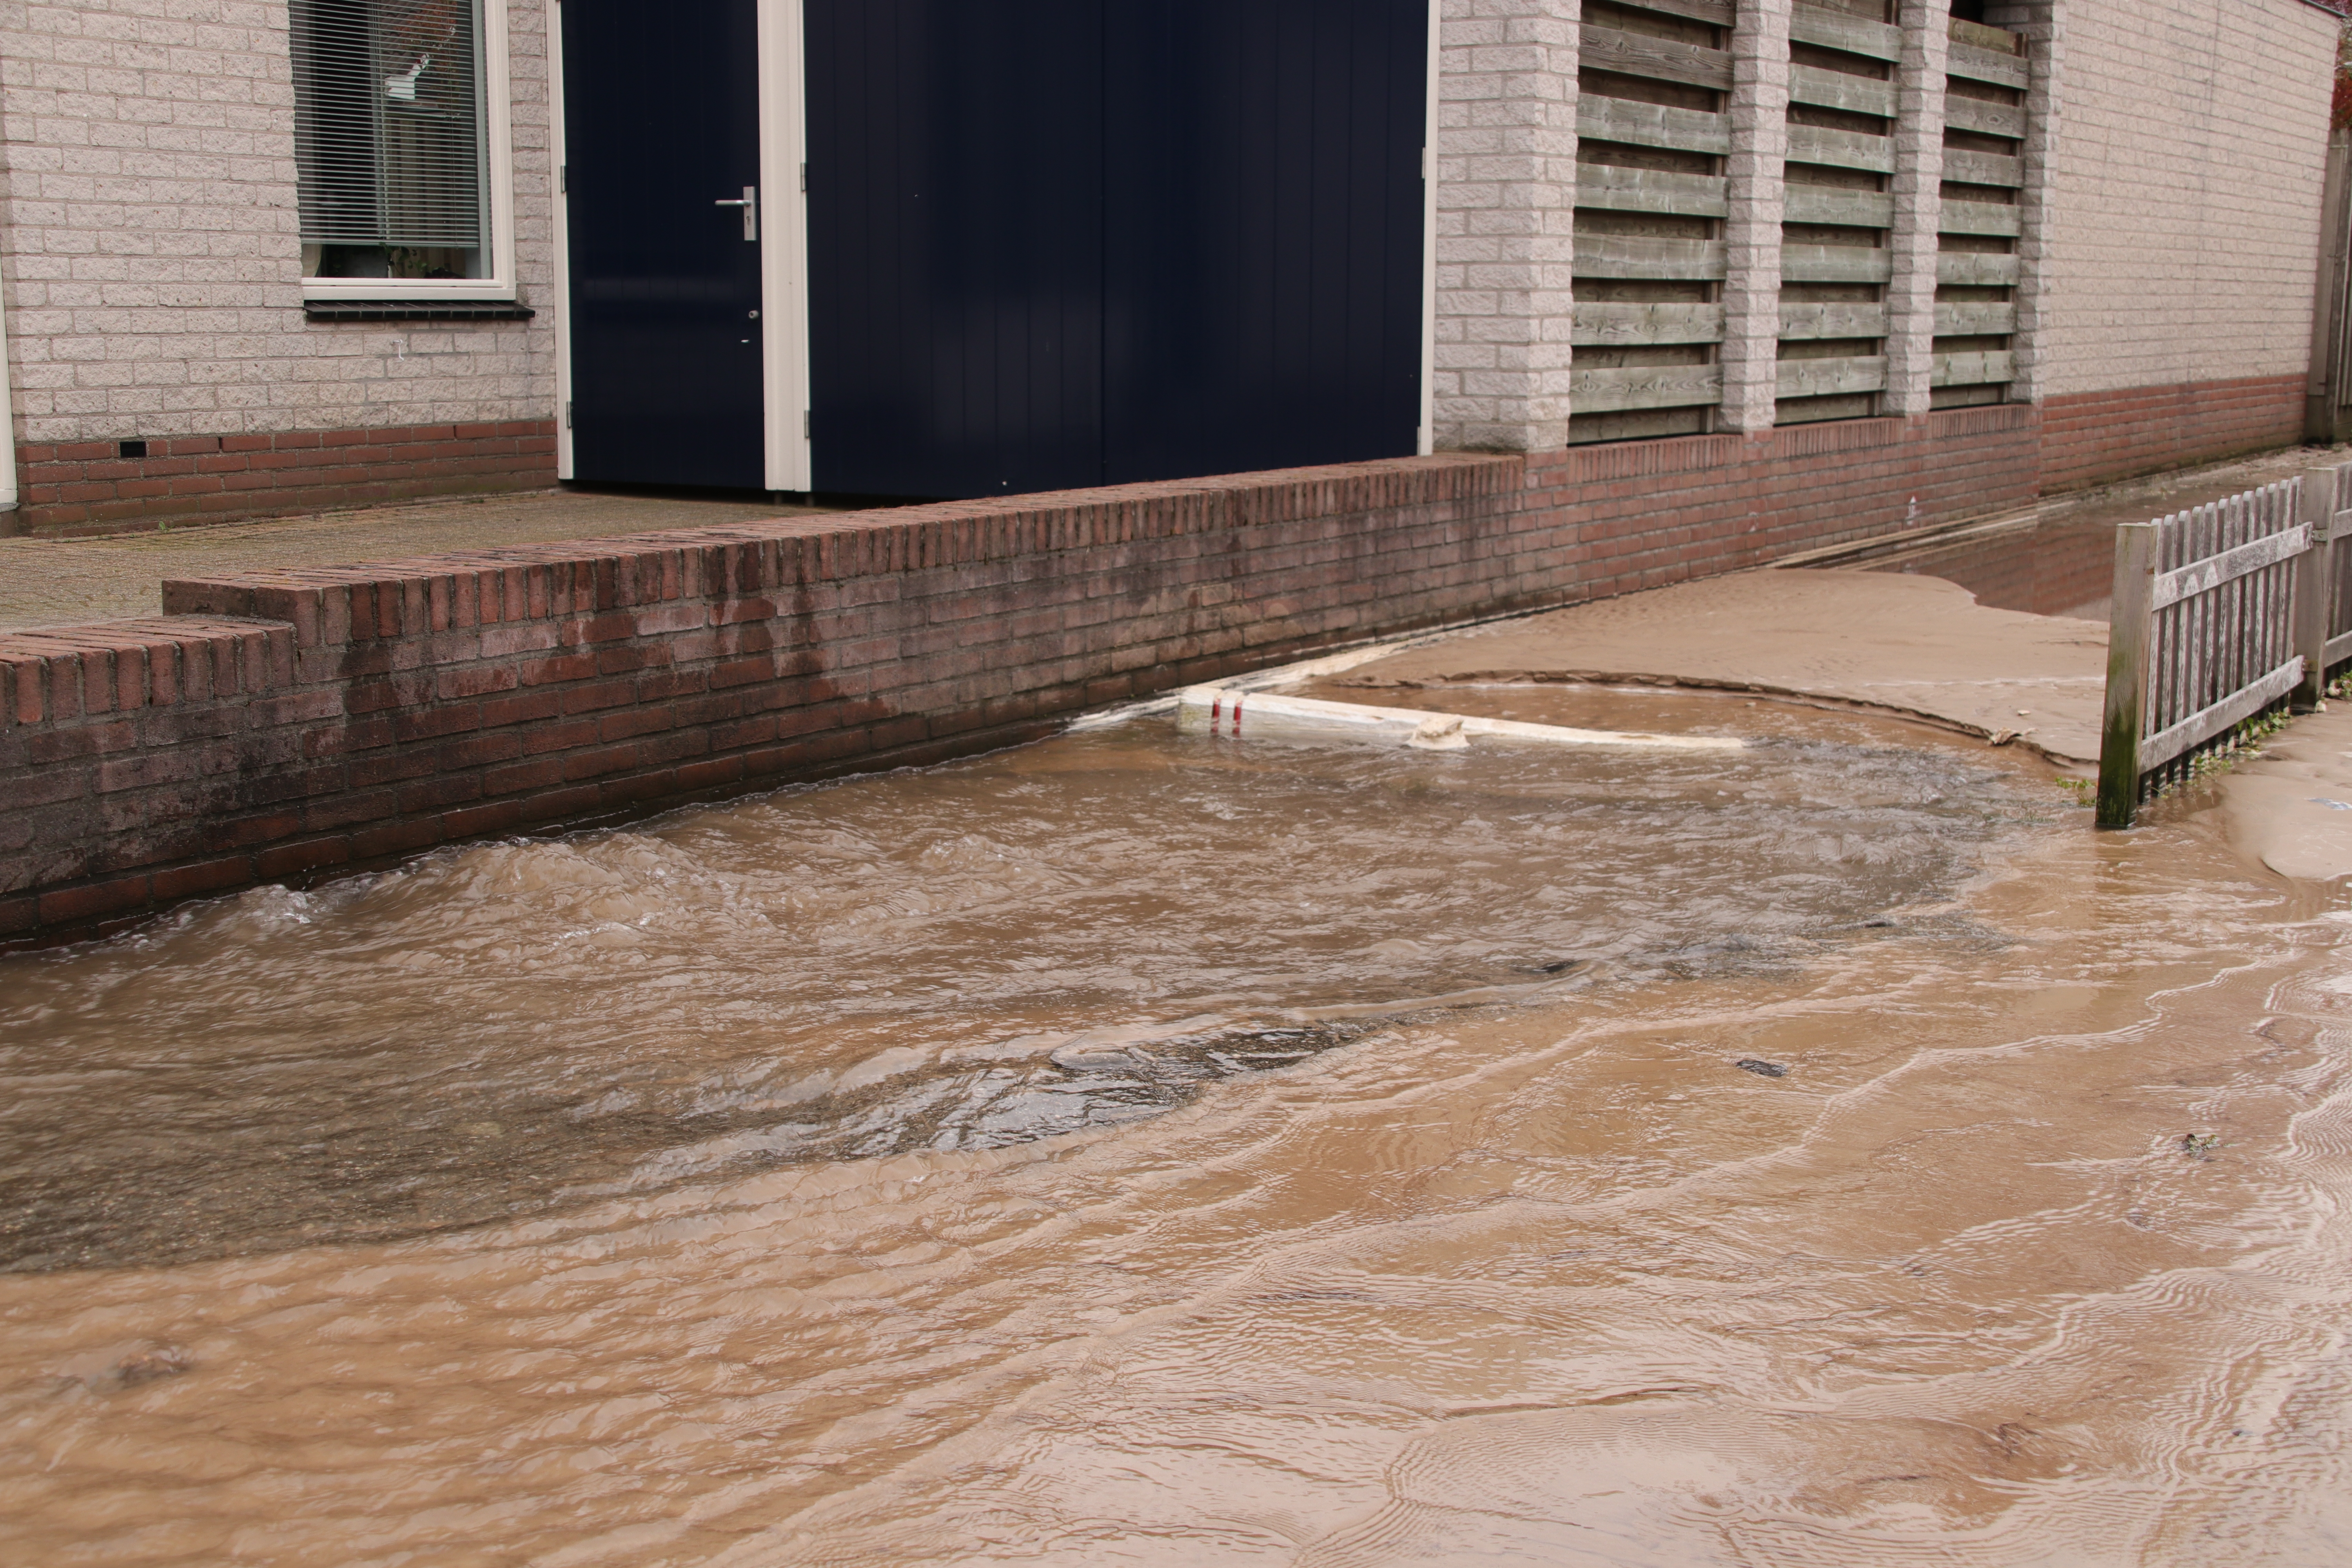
67,582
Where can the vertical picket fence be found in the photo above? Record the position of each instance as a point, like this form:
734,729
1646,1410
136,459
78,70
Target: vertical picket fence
2330,593
2221,612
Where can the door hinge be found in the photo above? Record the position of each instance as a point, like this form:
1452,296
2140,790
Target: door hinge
567,414
563,179
808,423
803,179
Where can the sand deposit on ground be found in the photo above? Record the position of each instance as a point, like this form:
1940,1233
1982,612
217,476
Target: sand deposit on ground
1917,646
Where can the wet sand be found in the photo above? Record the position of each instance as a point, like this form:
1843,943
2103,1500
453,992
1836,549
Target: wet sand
1911,645
2290,809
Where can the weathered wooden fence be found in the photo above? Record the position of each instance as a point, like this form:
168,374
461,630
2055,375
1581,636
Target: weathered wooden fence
2328,600
2221,612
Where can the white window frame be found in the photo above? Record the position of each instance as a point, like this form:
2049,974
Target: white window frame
498,146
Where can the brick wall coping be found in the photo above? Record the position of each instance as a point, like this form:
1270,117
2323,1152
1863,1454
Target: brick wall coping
61,673
464,588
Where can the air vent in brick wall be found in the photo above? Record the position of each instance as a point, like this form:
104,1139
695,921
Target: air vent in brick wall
415,310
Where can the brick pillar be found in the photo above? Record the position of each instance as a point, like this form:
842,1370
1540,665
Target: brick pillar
1751,234
1918,205
1506,223
2041,23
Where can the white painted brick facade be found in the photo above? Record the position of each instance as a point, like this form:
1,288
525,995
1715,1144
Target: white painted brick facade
2042,24
1918,186
2185,192
148,237
1760,150
1506,223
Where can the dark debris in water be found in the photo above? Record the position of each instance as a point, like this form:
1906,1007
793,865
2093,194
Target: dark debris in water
1074,1089
153,1366
1955,926
1761,1068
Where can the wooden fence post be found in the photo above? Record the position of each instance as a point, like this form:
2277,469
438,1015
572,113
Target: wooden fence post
2314,576
2129,626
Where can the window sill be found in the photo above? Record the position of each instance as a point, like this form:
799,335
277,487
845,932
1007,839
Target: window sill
415,310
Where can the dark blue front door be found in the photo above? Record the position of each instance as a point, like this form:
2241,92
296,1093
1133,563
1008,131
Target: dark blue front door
662,124
1059,243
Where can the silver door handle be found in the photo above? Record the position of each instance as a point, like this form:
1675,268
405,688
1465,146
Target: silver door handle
750,206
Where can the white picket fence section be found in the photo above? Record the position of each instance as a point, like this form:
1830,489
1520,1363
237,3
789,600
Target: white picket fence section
2221,612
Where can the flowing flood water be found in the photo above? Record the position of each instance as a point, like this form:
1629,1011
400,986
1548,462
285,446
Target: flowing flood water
1149,1149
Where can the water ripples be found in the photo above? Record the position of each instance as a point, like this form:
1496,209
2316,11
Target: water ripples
2037,1253
914,960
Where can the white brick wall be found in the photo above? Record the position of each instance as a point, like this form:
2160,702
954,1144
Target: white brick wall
149,249
1759,146
1918,187
1506,223
2186,192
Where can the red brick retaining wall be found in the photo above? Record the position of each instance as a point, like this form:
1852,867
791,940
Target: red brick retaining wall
88,487
1652,513
2096,436
283,724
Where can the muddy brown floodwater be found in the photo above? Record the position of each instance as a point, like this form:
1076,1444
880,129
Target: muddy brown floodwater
1145,1149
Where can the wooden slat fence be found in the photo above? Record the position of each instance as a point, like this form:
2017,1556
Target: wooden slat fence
2334,577
2221,612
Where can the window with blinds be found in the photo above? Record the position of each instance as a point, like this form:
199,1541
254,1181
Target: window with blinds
389,143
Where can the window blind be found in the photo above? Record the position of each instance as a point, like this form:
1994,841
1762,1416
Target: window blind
388,123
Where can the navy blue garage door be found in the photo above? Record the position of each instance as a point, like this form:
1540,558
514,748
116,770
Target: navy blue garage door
1058,243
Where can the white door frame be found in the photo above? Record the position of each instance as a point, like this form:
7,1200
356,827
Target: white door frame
1427,439
784,246
562,281
783,243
